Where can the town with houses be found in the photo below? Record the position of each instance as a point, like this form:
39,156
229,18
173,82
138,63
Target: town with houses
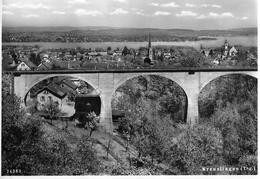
33,58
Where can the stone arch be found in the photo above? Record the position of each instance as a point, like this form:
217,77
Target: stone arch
218,76
214,75
125,77
31,83
41,78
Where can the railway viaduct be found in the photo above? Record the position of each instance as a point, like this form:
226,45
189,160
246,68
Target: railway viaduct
192,81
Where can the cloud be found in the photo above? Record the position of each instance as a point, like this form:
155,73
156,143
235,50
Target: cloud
26,6
30,15
212,14
216,5
119,11
216,15
205,5
186,13
162,13
122,1
58,12
211,5
190,5
202,16
171,4
78,2
154,4
83,12
8,13
244,18
222,15
226,14
138,11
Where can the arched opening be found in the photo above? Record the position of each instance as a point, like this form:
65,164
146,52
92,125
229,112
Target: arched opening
148,97
229,104
147,113
67,96
226,90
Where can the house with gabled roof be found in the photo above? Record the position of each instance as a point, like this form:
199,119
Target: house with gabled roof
45,66
51,93
24,65
69,84
233,51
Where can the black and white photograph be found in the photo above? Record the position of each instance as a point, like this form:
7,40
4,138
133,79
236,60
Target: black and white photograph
129,88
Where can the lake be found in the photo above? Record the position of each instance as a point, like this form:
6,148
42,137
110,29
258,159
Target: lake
235,40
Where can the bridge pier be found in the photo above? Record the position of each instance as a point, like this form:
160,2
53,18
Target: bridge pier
191,86
106,114
105,86
20,88
192,108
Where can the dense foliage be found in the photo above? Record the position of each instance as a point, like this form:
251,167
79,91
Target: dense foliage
195,148
154,123
27,148
141,94
226,134
232,108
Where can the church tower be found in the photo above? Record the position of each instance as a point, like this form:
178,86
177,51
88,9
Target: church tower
226,48
226,45
150,50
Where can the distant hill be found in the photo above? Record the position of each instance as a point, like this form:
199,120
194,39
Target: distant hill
52,28
250,30
113,34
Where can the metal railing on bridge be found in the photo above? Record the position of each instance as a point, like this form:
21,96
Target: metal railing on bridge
190,70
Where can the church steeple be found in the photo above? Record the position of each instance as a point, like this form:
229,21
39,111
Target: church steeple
149,55
149,41
150,50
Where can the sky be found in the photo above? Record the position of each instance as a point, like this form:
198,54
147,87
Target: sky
188,14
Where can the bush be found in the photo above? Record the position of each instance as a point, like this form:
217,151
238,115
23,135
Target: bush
122,170
197,147
21,135
238,126
86,157
249,161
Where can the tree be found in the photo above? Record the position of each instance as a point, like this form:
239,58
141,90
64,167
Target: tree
108,147
38,59
14,56
238,131
93,121
51,109
196,147
21,134
86,158
33,59
125,51
109,49
31,106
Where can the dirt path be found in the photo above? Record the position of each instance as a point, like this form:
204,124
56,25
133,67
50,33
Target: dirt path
117,152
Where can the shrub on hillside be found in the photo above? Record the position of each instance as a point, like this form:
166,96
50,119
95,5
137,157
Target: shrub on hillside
197,147
238,127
